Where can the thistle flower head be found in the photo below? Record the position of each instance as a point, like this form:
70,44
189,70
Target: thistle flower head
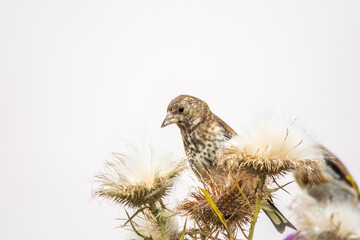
236,205
140,174
271,146
331,220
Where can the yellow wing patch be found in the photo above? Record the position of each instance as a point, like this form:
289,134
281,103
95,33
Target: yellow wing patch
352,181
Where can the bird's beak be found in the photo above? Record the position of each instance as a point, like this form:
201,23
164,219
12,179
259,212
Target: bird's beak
170,119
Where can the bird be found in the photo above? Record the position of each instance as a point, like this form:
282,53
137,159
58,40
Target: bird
329,207
335,182
203,134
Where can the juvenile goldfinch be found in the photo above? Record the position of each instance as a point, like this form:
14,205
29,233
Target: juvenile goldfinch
203,134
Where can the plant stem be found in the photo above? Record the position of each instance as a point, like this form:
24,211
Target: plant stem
162,225
257,208
160,221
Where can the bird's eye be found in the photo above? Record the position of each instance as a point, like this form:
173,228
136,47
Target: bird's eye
181,109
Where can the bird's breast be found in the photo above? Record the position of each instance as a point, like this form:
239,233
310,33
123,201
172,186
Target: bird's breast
201,146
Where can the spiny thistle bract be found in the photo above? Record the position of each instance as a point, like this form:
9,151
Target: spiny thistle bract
326,221
139,176
147,227
225,193
273,146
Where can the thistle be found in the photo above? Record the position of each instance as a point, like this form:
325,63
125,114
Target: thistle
234,197
273,147
326,221
140,178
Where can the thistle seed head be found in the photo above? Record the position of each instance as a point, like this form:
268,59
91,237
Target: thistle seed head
138,177
273,147
236,209
324,221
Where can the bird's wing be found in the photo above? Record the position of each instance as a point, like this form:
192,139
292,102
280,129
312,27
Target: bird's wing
276,217
229,131
339,169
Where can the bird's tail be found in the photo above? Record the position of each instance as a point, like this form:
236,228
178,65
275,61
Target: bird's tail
276,217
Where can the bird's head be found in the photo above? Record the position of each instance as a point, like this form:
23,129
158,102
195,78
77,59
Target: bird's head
186,111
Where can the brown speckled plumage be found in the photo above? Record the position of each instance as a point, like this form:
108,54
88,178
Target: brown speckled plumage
203,133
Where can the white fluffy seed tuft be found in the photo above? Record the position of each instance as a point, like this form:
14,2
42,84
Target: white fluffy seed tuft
274,137
332,220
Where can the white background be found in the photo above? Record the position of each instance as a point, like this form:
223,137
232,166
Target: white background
73,74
